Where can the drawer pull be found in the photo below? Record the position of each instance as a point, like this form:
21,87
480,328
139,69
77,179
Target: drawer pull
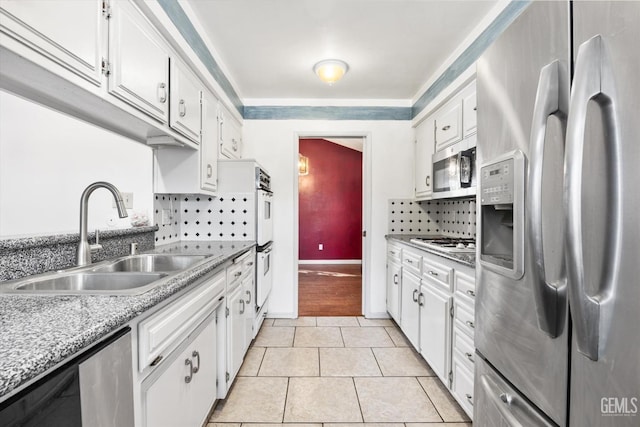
469,398
471,293
243,306
421,299
447,127
433,273
470,324
395,279
238,274
415,298
250,263
409,261
162,92
392,252
182,108
249,300
221,298
470,357
156,360
189,377
197,356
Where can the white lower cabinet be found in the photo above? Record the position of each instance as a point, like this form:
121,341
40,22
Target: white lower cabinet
183,392
410,316
236,332
462,384
394,277
435,329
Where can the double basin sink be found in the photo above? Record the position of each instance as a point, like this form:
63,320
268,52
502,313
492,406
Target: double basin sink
129,275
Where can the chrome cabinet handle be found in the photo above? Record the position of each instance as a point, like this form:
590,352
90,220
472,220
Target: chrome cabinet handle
182,108
415,298
249,300
395,279
250,263
409,261
421,299
428,180
196,354
392,252
591,314
189,377
470,324
238,274
475,108
209,171
162,92
470,357
550,100
469,398
243,306
234,144
433,273
156,360
447,127
471,293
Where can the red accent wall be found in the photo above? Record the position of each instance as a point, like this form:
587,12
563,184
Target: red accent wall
330,202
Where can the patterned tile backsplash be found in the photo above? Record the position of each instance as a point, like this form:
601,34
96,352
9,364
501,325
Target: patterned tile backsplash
454,218
195,217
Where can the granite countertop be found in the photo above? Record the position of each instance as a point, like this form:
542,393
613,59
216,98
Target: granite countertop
463,258
39,331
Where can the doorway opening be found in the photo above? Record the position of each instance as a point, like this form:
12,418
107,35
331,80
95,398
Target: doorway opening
330,190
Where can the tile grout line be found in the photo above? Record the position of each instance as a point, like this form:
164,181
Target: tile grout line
264,354
286,398
355,388
377,362
429,397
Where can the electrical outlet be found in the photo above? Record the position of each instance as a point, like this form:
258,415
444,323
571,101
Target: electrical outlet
166,216
127,198
320,247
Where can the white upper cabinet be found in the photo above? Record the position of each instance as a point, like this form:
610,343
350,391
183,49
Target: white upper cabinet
425,142
185,101
469,109
45,26
209,144
449,124
139,62
230,135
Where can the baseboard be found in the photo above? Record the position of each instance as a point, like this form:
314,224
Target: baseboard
330,261
272,315
378,315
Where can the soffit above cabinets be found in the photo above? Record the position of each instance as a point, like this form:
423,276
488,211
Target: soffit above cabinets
268,47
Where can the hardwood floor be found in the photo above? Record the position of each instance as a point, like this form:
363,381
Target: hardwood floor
329,290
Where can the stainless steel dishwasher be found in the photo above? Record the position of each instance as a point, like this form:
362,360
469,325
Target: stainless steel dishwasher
94,389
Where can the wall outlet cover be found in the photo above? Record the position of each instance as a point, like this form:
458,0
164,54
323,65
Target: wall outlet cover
127,198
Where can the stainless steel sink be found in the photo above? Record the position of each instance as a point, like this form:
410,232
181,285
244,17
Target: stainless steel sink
129,275
151,263
110,283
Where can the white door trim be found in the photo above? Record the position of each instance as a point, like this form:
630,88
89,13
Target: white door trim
366,210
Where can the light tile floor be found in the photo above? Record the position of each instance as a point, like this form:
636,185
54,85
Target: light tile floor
335,372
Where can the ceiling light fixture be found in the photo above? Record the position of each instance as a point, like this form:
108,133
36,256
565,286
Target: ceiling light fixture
330,70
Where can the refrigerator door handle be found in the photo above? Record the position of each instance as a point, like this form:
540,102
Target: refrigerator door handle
549,101
591,314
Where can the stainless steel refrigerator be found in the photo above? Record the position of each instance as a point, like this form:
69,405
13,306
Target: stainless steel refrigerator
558,301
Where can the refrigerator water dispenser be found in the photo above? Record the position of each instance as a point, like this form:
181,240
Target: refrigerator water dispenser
502,214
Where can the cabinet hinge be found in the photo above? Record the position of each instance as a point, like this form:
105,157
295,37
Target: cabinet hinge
451,311
106,9
226,312
106,67
227,376
450,378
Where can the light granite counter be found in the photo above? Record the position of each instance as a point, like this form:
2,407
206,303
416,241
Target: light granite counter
463,258
39,332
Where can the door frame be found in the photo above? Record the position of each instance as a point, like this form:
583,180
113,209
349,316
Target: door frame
366,208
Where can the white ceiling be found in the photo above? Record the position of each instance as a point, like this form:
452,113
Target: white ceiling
393,47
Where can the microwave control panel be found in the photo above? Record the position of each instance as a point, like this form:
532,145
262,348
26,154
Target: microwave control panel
497,183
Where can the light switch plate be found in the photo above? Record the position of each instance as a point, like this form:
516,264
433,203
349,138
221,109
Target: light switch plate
127,198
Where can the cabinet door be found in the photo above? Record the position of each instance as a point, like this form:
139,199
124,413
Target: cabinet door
425,142
178,396
235,332
68,32
469,109
449,123
410,313
249,310
209,143
185,101
435,330
139,62
230,136
394,277
462,385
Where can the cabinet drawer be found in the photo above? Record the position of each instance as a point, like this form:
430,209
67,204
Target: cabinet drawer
412,262
437,274
462,385
248,262
234,275
394,253
463,347
465,285
449,124
160,333
463,317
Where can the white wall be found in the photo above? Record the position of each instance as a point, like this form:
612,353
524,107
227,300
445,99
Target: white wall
46,161
273,143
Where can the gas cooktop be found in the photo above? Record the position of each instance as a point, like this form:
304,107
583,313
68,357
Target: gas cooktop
447,244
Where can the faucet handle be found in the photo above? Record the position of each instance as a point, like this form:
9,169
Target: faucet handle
96,246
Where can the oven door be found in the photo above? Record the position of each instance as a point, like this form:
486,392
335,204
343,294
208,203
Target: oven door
264,220
264,278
